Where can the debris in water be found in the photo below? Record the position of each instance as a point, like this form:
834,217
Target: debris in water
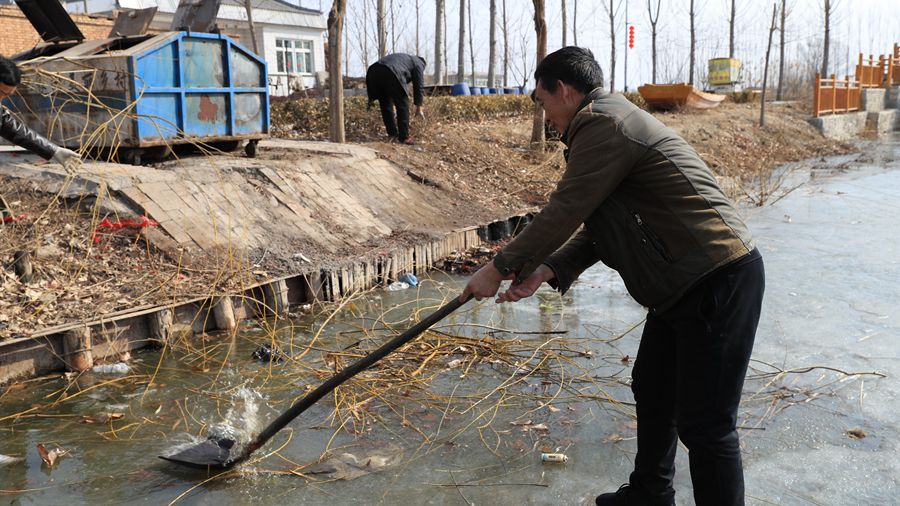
101,418
560,458
120,368
409,279
50,457
348,466
266,353
856,433
6,459
397,285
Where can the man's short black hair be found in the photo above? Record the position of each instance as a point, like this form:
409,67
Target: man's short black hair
10,74
572,65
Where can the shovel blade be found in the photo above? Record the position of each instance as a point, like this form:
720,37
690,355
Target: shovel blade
210,454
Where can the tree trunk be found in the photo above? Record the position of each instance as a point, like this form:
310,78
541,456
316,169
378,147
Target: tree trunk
336,86
653,20
418,21
471,44
575,22
382,30
827,43
731,29
444,42
249,8
438,38
492,46
393,29
564,26
346,51
779,94
765,84
693,59
611,11
540,30
505,47
363,35
461,47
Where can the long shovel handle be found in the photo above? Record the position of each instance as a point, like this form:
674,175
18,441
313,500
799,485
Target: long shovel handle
348,372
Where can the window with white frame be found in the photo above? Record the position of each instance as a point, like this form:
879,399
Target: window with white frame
294,56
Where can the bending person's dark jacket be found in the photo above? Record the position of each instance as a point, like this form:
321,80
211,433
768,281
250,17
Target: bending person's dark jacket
408,68
19,134
650,207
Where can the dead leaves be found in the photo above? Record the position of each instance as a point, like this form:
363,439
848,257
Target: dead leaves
102,418
528,425
50,457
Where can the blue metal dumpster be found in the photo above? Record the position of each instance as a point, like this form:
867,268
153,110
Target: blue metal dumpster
146,92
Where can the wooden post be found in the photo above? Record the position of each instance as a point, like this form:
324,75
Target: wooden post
833,93
22,266
275,297
223,312
817,86
313,287
77,349
847,93
161,326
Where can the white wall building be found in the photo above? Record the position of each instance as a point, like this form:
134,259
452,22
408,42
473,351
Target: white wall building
291,38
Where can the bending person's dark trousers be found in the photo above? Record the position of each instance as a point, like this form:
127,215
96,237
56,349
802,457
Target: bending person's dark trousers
688,378
386,88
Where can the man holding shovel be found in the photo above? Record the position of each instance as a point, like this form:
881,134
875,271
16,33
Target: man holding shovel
638,198
20,135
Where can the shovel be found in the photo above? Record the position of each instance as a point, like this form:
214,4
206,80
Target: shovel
215,453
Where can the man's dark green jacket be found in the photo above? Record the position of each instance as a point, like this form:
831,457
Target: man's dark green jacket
650,207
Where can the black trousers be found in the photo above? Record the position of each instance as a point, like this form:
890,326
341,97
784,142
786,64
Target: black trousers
687,382
384,86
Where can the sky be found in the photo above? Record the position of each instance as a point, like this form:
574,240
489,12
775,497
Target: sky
867,26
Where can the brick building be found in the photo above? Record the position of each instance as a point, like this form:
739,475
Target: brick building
19,35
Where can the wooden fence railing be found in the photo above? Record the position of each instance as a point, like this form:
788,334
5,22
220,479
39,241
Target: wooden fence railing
892,62
869,72
833,96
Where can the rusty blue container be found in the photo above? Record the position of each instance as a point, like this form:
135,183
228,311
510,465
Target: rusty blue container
146,91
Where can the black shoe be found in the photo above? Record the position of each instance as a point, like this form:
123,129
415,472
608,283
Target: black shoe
628,496
617,498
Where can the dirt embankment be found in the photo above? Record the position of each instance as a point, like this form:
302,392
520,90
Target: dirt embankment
485,164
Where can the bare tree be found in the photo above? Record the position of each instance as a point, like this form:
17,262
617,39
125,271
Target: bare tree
505,47
492,45
611,12
346,48
382,30
438,41
765,83
461,50
540,30
575,22
393,28
779,94
471,43
249,8
653,20
564,27
418,22
446,51
731,29
693,59
364,40
336,86
827,41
